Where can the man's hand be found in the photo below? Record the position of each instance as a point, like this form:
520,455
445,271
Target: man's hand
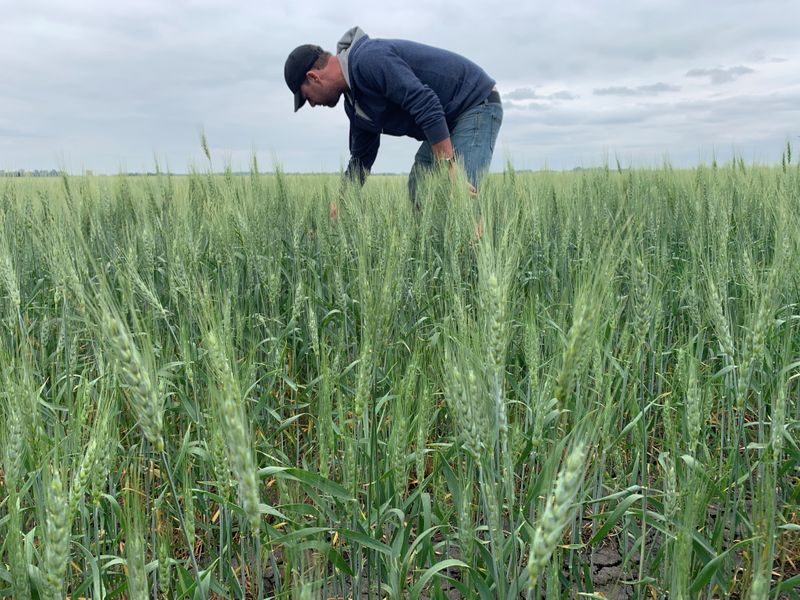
443,151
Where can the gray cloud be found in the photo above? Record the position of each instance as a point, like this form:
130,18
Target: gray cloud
531,94
513,104
657,88
759,56
582,40
521,94
735,112
684,131
615,91
720,75
100,85
642,90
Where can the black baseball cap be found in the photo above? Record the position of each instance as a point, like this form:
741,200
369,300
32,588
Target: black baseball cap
297,65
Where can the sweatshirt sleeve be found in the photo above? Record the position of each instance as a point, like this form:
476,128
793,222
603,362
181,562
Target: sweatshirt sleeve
389,74
363,151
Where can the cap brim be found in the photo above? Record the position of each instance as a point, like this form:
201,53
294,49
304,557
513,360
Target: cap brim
298,100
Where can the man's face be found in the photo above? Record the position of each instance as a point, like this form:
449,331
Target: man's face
319,92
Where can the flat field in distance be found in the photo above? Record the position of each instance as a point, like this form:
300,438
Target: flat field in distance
574,383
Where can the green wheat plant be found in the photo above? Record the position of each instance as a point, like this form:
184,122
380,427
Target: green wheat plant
571,385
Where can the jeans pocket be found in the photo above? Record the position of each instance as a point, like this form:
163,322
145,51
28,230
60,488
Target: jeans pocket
496,122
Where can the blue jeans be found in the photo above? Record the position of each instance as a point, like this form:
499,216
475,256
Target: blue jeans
473,135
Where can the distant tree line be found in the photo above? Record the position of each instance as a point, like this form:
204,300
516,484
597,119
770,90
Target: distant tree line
34,173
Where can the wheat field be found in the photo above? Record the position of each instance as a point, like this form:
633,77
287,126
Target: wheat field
575,385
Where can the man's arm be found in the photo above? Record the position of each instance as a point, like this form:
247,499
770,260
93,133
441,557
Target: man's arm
363,151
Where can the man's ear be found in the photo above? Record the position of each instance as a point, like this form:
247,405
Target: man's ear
313,76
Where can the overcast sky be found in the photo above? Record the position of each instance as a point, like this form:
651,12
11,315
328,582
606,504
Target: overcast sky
115,86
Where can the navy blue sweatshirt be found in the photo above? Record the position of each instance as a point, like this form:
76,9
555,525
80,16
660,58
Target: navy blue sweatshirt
403,88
